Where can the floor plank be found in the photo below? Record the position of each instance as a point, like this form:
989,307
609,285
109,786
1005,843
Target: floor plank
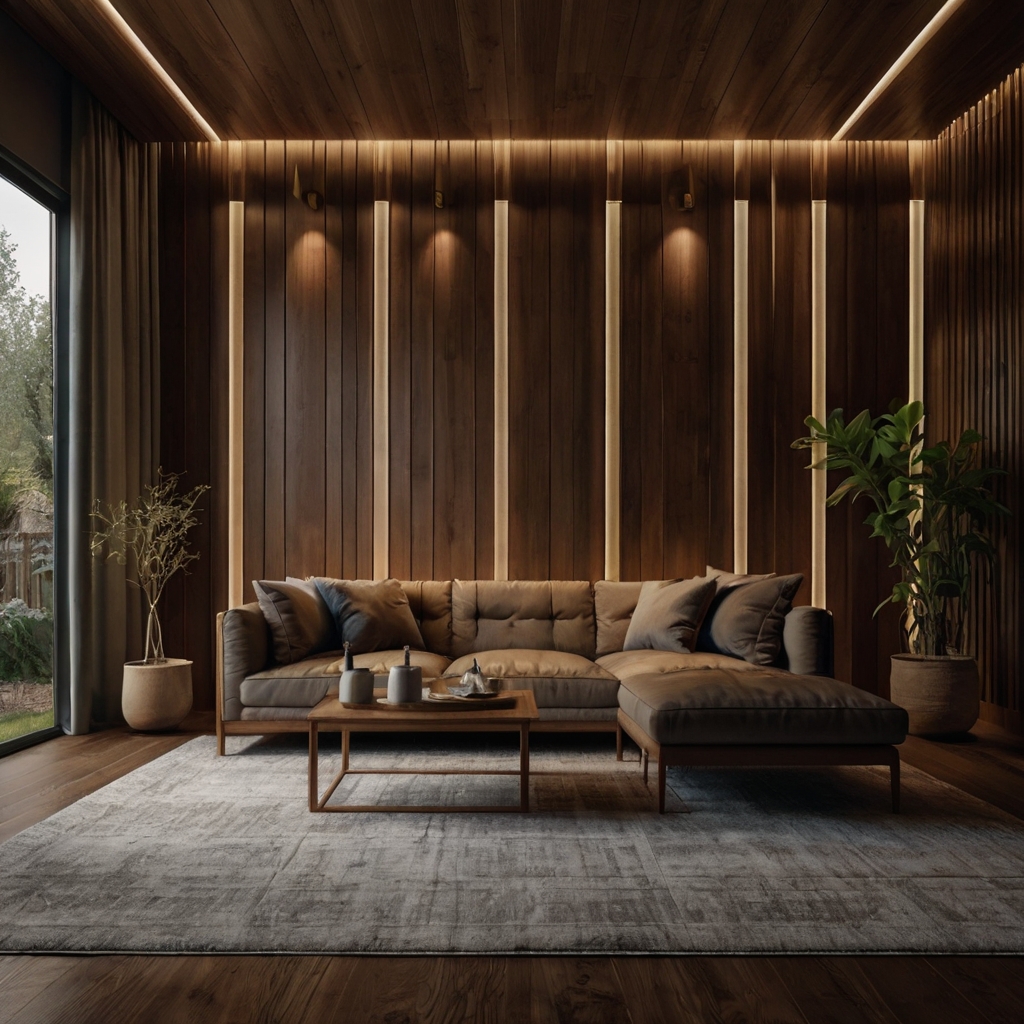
832,989
994,985
917,994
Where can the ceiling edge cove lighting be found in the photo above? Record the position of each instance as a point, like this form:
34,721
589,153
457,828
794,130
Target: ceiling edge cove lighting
128,35
941,17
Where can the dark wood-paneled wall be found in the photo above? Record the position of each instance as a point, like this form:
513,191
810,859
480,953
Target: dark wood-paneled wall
867,330
974,340
308,359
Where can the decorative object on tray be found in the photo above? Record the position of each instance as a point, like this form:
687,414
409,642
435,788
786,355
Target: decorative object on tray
475,684
405,682
932,508
150,538
356,684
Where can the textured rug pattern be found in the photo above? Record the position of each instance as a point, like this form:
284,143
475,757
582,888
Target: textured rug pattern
198,853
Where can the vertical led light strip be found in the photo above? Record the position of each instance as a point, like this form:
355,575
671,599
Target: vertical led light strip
916,355
819,481
236,424
501,389
741,225
612,320
381,510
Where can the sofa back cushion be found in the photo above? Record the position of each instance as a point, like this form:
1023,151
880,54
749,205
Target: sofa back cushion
614,604
490,615
431,604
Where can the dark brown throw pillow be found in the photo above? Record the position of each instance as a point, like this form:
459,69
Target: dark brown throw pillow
300,622
668,614
372,615
745,620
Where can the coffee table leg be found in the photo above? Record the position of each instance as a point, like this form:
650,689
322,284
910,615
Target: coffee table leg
344,750
524,768
314,757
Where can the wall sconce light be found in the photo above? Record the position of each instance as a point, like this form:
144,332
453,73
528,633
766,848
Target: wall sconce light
313,199
680,189
438,199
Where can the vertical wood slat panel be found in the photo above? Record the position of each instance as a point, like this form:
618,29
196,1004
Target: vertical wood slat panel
484,385
791,372
973,341
760,366
529,459
274,382
630,341
400,404
254,343
334,328
720,199
305,288
685,366
454,303
421,364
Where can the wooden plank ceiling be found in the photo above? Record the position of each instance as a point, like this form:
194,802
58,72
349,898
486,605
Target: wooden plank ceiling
531,69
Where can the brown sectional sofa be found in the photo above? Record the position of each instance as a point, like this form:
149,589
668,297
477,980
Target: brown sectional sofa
563,640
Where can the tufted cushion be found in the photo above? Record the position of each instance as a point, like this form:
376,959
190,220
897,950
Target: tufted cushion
614,603
558,679
492,615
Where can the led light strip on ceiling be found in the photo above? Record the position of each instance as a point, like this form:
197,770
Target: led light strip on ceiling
128,35
922,38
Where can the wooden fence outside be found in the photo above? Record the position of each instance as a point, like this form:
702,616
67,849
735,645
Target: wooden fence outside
23,557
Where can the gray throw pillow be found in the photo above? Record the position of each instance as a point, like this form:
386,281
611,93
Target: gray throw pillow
300,622
746,619
668,614
372,615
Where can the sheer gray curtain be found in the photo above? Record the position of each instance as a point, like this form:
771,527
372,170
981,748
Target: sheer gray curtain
114,402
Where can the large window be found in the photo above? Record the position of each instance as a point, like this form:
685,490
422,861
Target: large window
26,466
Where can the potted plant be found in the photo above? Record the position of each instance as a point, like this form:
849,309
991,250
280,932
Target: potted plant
932,506
151,538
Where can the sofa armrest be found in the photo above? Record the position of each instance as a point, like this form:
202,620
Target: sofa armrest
244,645
807,641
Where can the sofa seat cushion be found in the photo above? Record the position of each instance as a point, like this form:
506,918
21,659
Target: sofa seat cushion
380,663
302,684
625,664
766,706
558,679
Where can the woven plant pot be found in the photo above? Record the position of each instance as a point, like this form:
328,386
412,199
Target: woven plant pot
940,693
157,695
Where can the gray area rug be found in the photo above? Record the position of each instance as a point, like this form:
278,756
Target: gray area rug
198,853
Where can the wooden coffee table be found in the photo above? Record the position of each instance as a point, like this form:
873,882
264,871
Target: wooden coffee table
330,715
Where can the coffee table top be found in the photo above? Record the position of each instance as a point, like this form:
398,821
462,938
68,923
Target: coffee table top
331,711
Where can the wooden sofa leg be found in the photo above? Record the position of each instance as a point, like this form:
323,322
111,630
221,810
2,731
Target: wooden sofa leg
661,785
643,759
894,780
618,742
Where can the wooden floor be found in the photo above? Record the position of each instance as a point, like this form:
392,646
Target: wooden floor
35,783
